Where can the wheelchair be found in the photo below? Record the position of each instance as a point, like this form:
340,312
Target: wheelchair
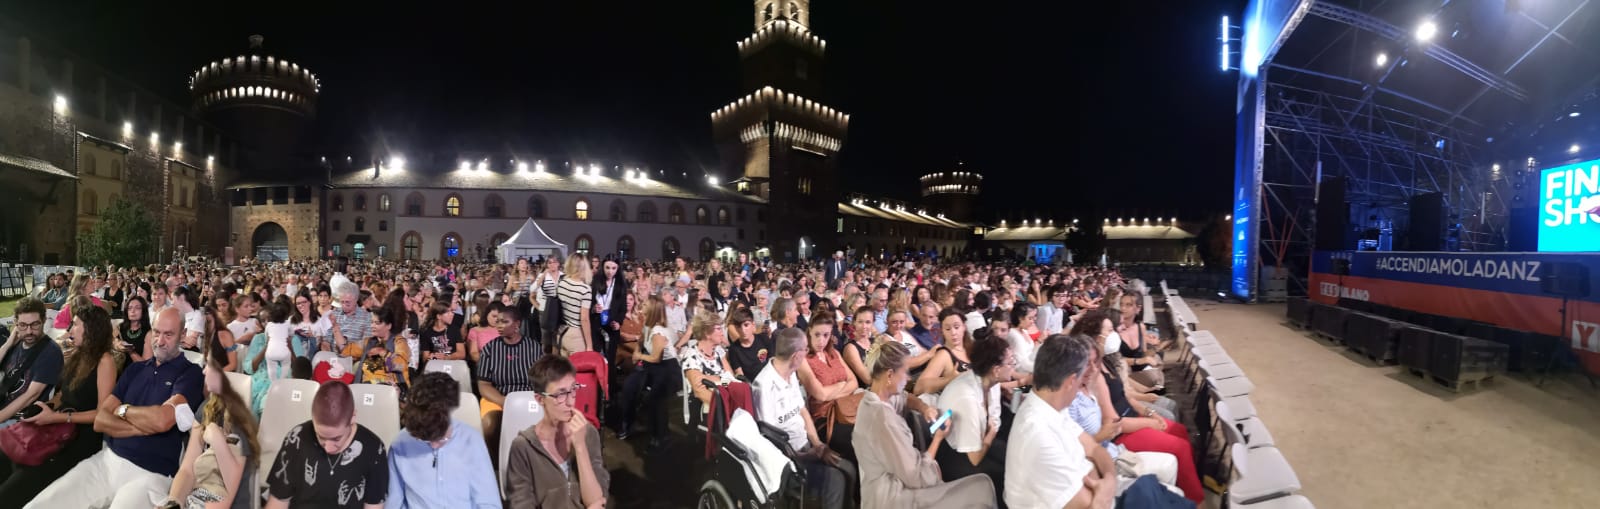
733,479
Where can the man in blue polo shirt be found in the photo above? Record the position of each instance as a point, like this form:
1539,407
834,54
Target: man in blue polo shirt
145,420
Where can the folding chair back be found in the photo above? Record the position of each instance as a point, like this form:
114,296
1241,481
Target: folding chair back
521,410
456,369
288,405
378,408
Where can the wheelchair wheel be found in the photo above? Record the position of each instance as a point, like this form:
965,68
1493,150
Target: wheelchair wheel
713,496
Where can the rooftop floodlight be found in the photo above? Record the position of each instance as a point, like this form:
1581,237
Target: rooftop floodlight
61,103
464,166
397,162
1427,30
522,167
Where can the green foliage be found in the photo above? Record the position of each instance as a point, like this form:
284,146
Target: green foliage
126,236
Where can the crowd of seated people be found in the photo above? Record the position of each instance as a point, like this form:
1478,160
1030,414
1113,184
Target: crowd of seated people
836,355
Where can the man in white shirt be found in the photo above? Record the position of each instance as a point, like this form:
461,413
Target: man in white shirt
1050,461
780,402
676,318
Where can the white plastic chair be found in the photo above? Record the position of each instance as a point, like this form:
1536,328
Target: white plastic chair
521,410
456,369
1263,474
1245,430
288,405
1220,370
378,408
467,412
1230,387
240,384
318,357
199,359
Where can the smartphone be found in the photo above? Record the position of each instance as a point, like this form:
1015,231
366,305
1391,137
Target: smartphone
939,423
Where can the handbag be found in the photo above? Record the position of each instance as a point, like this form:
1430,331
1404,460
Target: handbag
843,411
32,444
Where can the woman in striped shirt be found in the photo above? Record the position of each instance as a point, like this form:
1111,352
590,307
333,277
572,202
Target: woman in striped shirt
576,298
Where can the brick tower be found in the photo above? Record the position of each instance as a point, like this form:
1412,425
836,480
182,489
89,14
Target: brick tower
779,138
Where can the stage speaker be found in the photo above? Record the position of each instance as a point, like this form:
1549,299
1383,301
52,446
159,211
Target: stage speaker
1565,279
1524,226
1333,215
1427,222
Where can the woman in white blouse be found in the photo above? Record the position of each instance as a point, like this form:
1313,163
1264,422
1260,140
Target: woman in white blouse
706,357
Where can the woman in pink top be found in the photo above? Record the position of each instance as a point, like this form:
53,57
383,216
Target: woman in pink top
485,328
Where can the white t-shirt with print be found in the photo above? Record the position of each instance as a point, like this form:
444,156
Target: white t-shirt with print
970,418
781,403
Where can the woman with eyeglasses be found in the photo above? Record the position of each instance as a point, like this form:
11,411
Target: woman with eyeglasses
311,327
135,325
557,462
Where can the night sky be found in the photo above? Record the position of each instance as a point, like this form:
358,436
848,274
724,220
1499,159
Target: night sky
1076,110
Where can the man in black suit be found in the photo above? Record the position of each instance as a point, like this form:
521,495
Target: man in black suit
836,267
610,308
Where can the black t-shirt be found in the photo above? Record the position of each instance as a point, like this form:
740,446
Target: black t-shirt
429,340
752,359
307,476
17,371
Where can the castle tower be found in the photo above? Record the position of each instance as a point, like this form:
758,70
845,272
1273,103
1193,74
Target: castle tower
953,193
780,140
264,101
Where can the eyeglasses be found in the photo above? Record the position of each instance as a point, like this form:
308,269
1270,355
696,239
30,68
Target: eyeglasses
568,394
39,325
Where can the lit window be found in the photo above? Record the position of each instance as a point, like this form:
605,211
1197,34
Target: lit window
452,206
581,210
383,203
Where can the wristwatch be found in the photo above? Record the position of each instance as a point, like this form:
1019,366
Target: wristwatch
122,412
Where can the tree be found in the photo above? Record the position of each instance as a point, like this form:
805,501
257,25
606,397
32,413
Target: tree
1216,244
1087,243
125,236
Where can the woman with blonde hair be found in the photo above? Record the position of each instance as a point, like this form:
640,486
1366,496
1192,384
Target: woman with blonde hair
220,460
894,473
658,369
577,297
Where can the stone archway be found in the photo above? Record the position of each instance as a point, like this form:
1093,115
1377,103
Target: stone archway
270,242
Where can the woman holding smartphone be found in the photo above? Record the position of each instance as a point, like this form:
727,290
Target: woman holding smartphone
893,472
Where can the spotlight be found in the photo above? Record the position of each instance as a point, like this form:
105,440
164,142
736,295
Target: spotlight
464,166
177,148
1383,59
1575,114
127,129
522,167
538,167
1228,217
712,180
397,162
483,165
61,103
1573,149
1427,30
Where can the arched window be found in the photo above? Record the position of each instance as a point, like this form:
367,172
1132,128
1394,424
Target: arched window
452,205
116,169
414,204
360,201
619,210
675,213
337,204
494,206
583,246
87,164
723,218
625,247
337,225
669,248
702,215
536,207
450,246
707,248
411,246
794,10
383,202
581,210
766,13
91,205
361,224
647,212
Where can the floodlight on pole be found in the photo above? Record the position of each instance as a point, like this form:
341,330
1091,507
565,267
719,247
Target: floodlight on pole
1383,59
1427,30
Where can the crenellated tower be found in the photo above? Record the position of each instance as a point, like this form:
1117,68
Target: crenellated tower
779,139
264,101
953,193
